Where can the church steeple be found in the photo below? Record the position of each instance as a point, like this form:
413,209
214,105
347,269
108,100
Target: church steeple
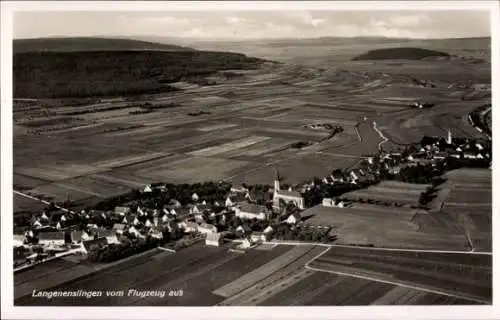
277,179
449,138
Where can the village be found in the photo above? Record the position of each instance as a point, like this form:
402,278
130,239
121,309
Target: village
175,216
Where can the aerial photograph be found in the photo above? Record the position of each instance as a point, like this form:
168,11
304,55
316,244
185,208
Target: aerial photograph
252,158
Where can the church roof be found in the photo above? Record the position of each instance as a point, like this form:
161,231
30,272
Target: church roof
288,193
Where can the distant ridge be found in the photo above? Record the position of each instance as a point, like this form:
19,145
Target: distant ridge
400,53
89,44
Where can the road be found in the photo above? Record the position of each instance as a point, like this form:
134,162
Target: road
384,138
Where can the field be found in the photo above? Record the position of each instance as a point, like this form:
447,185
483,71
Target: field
466,198
390,191
467,276
381,226
281,275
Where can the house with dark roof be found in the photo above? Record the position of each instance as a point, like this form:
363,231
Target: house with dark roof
99,242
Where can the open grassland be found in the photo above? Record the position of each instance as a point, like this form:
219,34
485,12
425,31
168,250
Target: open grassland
381,226
462,275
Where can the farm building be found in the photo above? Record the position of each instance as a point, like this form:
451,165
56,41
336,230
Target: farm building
251,211
118,228
286,195
214,239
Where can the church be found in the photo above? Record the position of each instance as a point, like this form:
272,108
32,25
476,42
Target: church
286,195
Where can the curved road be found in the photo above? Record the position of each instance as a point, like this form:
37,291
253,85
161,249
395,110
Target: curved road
384,138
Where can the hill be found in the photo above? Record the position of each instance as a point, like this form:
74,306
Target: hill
89,44
400,53
116,73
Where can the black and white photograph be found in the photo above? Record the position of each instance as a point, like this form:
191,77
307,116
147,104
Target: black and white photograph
247,156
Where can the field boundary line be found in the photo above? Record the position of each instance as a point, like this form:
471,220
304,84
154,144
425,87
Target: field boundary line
399,284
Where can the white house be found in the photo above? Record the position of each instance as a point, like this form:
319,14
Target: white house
195,197
63,218
258,236
268,230
228,203
173,212
328,202
37,224
58,226
194,209
293,218
214,239
479,146
147,188
251,211
148,224
247,243
136,221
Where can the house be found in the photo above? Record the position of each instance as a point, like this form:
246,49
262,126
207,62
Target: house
228,203
195,197
122,210
238,189
294,218
136,221
199,218
214,239
147,188
62,218
190,227
58,226
440,155
328,202
247,243
173,212
479,146
89,244
470,155
148,224
173,203
251,211
194,209
395,170
479,156
456,155
207,228
132,230
286,195
353,175
109,234
268,230
258,236
57,238
118,228
156,233
37,224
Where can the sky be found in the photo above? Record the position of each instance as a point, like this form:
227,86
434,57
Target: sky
215,25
